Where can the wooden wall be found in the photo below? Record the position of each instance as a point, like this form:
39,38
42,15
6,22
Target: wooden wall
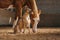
5,16
49,6
49,20
50,13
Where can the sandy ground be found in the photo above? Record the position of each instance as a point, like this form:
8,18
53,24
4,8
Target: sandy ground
43,34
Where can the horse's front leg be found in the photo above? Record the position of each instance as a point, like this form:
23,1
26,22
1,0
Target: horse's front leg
15,25
18,6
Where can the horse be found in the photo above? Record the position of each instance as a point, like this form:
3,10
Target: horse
19,4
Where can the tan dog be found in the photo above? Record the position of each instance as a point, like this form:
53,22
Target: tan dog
35,20
26,20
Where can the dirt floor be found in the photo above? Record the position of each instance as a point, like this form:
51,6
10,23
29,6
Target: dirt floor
43,34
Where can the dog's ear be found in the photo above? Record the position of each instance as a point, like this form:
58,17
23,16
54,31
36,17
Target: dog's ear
39,11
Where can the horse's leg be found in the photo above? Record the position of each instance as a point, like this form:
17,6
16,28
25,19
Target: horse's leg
35,11
15,25
18,6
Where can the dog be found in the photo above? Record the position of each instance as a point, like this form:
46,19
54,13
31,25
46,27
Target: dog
26,19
